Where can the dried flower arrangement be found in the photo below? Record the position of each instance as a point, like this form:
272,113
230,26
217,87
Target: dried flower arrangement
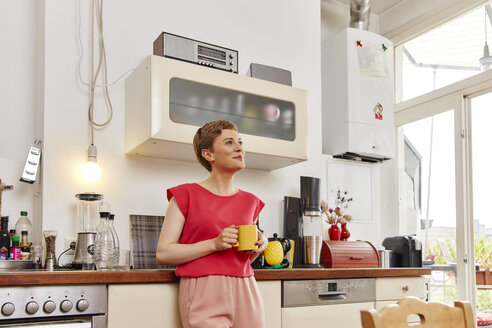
335,215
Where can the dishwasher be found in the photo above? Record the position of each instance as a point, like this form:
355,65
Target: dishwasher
326,303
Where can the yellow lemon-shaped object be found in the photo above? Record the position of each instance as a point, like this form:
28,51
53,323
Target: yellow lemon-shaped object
274,253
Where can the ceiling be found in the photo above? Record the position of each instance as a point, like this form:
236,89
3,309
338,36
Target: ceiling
378,6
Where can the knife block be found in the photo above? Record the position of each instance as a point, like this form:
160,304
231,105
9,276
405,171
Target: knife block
349,254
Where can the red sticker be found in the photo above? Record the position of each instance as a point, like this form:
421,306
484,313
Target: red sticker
378,117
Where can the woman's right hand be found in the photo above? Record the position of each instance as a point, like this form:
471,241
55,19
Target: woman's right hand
226,239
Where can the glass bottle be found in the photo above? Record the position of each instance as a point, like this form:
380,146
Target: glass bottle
12,233
104,245
25,246
4,238
116,243
15,249
24,224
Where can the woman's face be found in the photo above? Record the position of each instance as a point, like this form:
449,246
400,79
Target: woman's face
227,152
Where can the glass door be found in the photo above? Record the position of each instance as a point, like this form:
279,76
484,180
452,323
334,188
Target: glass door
481,158
427,197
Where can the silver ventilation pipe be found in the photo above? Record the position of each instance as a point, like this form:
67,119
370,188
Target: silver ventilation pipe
359,14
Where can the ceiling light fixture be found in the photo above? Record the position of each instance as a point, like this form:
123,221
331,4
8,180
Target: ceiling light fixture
486,60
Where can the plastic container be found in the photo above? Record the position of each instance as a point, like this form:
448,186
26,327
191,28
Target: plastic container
24,224
104,245
116,243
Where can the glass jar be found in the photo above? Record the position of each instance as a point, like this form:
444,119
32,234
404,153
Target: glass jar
50,240
36,255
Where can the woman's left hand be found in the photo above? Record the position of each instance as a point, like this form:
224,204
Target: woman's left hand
262,243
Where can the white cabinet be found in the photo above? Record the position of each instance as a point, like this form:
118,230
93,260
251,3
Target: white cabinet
143,305
156,305
390,290
167,100
357,94
271,291
325,316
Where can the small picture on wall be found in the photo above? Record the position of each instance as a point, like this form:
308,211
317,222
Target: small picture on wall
356,180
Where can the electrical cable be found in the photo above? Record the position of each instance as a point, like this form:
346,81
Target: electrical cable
96,19
72,247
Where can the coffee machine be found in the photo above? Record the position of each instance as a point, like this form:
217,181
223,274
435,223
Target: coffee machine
303,224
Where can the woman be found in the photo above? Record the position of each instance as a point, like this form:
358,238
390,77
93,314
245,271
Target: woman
217,287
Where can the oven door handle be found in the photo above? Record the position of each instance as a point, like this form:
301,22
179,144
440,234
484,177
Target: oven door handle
332,296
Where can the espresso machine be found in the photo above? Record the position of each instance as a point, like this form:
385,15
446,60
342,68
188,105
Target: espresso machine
303,223
88,207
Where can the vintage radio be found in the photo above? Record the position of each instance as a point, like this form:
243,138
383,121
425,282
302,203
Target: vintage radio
349,254
197,52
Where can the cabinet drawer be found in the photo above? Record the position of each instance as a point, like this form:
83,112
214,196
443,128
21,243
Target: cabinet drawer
396,288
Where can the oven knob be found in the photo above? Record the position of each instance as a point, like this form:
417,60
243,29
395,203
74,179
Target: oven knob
49,306
66,306
82,305
32,307
8,308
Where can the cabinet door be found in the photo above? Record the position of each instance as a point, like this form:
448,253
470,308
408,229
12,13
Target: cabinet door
325,316
388,289
146,305
272,294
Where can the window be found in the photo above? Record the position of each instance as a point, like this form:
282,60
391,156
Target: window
444,55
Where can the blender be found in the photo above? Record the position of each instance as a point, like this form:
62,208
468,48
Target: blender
88,207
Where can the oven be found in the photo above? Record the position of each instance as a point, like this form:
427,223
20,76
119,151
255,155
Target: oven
78,306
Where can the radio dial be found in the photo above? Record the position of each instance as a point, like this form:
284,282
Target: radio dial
66,306
8,308
49,306
231,56
82,305
32,307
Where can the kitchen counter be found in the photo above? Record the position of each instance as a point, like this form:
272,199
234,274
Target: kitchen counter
162,276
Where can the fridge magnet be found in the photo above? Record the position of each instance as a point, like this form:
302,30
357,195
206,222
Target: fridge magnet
378,111
359,44
384,47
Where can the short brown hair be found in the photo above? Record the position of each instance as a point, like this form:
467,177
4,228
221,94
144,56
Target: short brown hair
205,136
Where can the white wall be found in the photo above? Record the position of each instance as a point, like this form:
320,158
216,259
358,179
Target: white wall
21,123
280,33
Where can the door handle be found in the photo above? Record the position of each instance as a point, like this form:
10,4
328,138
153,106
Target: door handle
332,296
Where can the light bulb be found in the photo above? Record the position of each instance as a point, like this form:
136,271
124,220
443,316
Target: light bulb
91,170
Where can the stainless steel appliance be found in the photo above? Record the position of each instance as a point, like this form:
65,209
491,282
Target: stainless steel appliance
84,251
326,303
197,52
82,306
406,251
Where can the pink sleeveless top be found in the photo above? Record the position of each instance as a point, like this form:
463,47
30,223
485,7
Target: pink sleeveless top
206,216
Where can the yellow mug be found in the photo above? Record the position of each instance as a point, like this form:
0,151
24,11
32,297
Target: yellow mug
247,237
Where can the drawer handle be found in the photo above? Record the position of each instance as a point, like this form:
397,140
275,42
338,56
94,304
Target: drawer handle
405,288
355,258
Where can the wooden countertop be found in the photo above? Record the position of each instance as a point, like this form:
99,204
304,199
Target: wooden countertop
162,276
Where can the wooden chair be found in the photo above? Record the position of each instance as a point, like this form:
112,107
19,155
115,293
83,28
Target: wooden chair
431,314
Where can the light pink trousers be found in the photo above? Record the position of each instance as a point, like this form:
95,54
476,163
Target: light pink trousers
220,302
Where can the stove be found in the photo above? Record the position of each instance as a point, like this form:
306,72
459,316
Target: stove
41,306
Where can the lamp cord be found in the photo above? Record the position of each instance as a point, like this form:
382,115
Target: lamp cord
96,12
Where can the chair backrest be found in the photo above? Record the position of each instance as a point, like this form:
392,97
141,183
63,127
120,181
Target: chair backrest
432,315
